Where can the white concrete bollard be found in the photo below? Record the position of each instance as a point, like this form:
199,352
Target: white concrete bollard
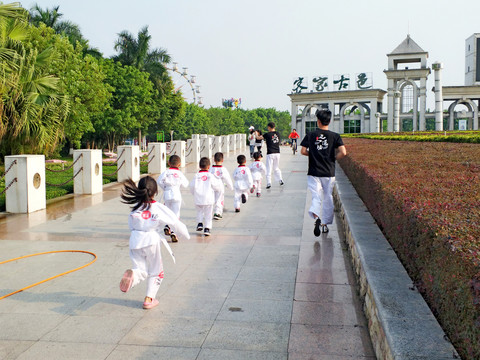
177,147
206,147
225,145
128,162
238,142
232,143
157,160
88,165
192,150
27,193
216,144
244,141
195,136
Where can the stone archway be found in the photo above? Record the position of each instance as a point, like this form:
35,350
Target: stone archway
344,117
401,86
472,123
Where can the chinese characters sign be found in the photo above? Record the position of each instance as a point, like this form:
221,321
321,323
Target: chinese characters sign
340,82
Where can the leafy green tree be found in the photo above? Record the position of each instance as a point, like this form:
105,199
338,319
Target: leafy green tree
132,105
33,109
81,78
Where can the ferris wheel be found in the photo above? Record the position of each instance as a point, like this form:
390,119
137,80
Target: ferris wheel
187,86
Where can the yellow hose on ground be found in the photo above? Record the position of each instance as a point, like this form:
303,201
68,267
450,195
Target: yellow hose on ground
50,278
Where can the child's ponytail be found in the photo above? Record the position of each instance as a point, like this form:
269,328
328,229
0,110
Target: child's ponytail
139,196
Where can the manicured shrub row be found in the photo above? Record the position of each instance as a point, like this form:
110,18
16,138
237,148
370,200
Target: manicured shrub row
449,136
426,199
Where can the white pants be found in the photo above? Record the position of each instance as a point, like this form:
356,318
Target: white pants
258,186
174,205
322,198
237,197
219,202
273,160
204,215
147,264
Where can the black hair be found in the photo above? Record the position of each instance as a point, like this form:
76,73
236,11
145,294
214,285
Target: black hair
139,196
259,132
294,130
324,116
218,156
241,159
257,155
204,163
252,131
174,160
271,124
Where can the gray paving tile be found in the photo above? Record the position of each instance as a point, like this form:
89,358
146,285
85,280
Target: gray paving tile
268,273
28,326
128,352
218,354
255,336
67,351
264,311
12,349
262,290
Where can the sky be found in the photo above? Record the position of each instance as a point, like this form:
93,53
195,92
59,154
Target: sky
255,49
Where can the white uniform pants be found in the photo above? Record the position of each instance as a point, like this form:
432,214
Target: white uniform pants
204,215
258,186
322,198
147,264
219,202
273,160
237,197
174,205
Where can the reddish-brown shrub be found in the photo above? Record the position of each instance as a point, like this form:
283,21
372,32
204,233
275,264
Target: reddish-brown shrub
426,199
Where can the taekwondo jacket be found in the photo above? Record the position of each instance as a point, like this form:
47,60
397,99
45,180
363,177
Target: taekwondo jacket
222,173
203,187
243,178
170,181
144,225
257,168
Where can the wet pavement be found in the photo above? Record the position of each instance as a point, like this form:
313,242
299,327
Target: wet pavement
261,287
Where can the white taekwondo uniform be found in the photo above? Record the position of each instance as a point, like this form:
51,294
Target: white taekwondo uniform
203,187
243,182
258,170
145,243
170,181
222,173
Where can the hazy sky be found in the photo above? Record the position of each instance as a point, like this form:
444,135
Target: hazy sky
254,49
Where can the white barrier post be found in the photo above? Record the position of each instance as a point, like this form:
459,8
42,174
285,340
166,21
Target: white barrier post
128,162
225,145
232,143
217,144
177,147
243,141
157,157
192,150
206,147
195,136
88,167
238,142
25,183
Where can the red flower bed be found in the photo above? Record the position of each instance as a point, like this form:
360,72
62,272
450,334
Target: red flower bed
426,199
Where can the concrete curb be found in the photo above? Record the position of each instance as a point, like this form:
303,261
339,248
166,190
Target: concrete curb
400,323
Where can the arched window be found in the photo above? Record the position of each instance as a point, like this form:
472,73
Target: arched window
407,98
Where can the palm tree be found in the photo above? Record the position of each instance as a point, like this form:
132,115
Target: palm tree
136,52
51,18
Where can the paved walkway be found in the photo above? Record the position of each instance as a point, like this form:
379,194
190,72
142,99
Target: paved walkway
261,287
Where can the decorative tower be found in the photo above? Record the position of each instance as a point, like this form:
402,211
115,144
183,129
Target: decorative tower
472,60
407,79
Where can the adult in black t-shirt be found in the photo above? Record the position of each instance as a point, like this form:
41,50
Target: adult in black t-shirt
272,139
322,147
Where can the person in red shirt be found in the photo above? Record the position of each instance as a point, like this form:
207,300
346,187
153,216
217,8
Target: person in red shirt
294,135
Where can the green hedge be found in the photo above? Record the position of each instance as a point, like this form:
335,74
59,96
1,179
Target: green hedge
430,136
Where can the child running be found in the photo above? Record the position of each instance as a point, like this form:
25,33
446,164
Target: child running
146,218
170,181
258,170
223,174
203,187
243,182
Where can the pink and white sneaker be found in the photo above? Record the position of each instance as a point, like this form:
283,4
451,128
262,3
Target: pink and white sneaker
151,304
127,280
252,190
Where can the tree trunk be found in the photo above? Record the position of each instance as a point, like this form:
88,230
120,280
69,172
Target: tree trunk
140,139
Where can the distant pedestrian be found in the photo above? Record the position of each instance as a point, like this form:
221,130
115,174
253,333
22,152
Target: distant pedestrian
203,187
221,173
170,182
145,220
322,147
252,140
243,182
272,139
258,170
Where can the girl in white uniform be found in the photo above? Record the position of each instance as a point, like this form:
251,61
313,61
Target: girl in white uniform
243,182
258,170
203,187
170,182
146,218
222,173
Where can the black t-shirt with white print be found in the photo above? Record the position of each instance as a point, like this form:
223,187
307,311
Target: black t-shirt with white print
321,146
272,139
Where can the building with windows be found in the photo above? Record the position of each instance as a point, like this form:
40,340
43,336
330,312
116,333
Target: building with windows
362,110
